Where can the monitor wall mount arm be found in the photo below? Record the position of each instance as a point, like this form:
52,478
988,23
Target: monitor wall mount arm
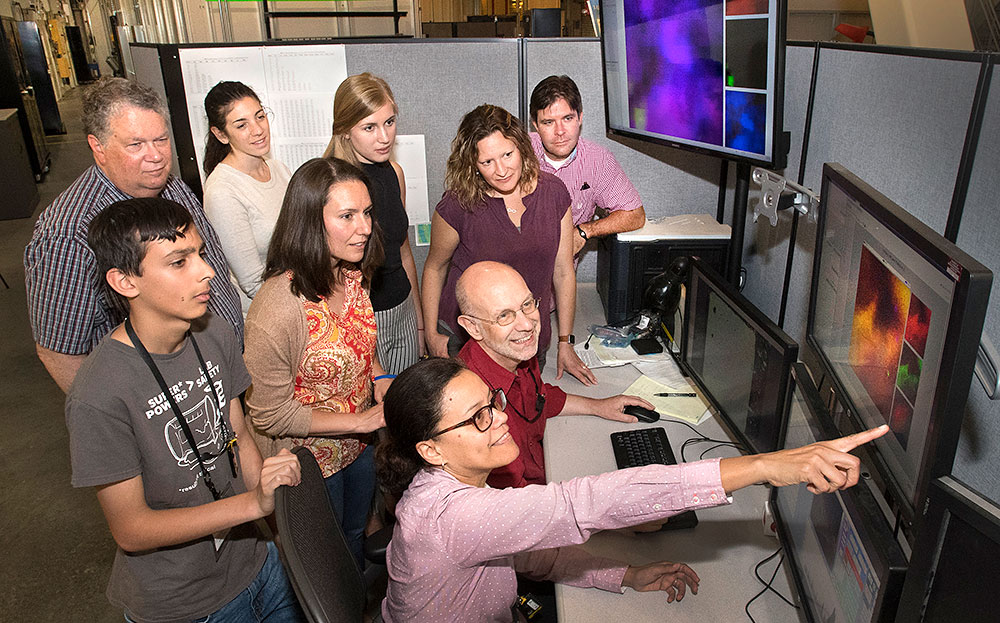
778,193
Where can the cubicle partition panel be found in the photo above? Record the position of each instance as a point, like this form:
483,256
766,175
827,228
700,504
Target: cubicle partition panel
897,119
765,248
977,461
436,83
669,181
146,60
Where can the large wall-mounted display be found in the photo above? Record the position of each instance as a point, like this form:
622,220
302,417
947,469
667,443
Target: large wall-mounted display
704,75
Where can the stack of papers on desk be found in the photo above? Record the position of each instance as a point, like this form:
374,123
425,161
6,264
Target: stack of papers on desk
600,356
693,410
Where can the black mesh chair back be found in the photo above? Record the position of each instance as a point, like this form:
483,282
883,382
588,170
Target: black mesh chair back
322,570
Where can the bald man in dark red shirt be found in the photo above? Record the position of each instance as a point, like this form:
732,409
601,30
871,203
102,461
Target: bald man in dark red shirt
501,315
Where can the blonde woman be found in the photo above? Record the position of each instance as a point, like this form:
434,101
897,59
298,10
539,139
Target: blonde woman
364,132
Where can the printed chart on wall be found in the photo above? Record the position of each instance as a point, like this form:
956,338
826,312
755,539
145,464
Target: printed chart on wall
296,82
411,155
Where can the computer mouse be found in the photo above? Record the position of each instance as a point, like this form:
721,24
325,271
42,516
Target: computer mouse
645,415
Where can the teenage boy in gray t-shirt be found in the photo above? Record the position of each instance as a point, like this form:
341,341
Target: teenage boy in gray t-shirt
154,416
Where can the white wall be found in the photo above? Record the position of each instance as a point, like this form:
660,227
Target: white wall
922,23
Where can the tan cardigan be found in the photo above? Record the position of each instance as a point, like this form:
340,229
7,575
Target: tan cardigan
275,343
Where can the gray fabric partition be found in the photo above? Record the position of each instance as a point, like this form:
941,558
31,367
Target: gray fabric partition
978,459
435,84
669,181
146,61
898,122
766,248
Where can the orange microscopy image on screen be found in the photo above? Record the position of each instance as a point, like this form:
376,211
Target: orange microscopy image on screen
918,325
900,419
880,312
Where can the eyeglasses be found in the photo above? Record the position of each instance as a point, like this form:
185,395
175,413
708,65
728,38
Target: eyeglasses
483,418
508,316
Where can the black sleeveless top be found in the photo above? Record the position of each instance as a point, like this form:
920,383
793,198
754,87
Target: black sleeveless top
390,287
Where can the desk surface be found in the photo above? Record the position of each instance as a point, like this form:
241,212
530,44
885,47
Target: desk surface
722,549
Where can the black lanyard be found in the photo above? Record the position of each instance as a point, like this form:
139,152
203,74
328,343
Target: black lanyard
141,349
539,401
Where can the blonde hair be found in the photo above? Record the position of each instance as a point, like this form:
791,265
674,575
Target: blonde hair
357,97
461,174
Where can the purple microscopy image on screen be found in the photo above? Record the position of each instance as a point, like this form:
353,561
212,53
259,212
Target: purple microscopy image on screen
746,119
674,60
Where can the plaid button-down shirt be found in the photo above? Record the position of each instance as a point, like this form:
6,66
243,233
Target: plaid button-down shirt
68,310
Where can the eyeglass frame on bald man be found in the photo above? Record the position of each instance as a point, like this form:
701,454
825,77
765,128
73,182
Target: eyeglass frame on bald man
527,307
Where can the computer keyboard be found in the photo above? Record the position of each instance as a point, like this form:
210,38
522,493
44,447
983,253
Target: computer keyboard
646,446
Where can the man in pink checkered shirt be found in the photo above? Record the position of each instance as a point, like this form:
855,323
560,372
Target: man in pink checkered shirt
591,174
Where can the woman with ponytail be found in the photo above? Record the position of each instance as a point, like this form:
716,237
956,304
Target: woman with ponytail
457,542
245,187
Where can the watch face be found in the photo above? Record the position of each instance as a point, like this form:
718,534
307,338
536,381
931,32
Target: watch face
583,234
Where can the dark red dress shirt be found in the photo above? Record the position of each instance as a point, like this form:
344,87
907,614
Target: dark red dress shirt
527,426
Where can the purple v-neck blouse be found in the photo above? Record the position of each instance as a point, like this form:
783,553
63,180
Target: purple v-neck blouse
487,233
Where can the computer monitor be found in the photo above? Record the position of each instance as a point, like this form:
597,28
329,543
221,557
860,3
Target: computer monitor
737,357
955,569
701,75
895,314
846,565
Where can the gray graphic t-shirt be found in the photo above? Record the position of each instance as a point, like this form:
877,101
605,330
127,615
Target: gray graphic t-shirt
121,426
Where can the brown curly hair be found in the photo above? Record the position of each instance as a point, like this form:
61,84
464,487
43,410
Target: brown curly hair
461,175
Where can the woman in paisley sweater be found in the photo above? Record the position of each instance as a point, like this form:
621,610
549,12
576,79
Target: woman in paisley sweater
310,344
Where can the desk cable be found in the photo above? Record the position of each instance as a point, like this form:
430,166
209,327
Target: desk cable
768,584
703,439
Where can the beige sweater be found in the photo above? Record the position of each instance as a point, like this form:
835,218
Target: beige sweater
276,336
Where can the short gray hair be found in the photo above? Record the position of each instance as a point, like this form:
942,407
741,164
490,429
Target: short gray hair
106,97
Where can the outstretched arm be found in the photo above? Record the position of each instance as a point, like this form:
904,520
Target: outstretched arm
823,467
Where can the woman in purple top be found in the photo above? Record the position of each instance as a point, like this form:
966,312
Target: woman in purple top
499,206
458,543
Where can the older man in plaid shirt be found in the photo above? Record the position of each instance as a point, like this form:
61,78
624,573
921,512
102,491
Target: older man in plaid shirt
127,129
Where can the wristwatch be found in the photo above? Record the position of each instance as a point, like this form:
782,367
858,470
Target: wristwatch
583,234
571,339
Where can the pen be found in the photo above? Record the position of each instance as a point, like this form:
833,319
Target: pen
678,394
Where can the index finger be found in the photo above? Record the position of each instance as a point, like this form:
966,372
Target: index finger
850,442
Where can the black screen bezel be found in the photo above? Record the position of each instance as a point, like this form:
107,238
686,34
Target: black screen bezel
947,497
967,314
779,155
762,325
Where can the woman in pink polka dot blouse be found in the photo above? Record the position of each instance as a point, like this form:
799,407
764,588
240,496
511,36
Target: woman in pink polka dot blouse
458,542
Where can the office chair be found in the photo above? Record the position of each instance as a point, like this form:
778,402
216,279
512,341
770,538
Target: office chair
322,570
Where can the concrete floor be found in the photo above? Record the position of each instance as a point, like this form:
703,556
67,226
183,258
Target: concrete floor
55,548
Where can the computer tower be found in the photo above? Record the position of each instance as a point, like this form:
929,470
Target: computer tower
624,268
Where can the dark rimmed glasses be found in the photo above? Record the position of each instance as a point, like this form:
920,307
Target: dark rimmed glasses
508,316
482,419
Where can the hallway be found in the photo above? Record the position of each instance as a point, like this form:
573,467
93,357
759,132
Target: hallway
55,544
